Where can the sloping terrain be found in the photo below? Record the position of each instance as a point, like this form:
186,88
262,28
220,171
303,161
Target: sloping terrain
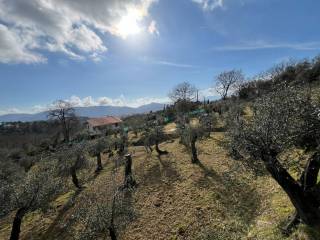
217,199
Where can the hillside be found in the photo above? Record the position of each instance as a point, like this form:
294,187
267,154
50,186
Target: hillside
271,128
175,199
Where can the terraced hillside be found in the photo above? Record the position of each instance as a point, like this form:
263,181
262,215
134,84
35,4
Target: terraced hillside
174,199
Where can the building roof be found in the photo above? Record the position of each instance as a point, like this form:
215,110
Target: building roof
103,121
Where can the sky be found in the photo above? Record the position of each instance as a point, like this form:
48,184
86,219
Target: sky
130,53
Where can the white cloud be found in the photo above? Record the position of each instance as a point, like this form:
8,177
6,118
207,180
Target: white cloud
119,101
208,93
257,45
153,28
68,26
13,49
209,5
10,111
89,101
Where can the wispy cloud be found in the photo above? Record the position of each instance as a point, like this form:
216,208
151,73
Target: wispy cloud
209,5
173,64
153,29
260,45
149,60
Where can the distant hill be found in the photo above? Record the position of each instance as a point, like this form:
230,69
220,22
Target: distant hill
95,111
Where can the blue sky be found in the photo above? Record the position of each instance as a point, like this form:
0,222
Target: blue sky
122,52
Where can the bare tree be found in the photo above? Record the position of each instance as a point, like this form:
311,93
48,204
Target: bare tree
228,81
65,114
182,95
284,119
183,92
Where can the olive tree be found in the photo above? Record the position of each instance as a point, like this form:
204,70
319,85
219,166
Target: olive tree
189,135
10,174
97,148
65,114
129,181
207,122
228,81
70,160
31,191
105,212
135,123
153,136
281,120
121,143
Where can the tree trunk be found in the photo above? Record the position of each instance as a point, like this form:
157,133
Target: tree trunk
75,178
121,149
65,130
148,149
67,136
112,229
129,181
112,233
194,155
306,205
310,174
160,152
15,231
292,223
308,180
99,163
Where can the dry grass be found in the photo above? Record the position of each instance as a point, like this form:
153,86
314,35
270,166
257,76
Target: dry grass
175,199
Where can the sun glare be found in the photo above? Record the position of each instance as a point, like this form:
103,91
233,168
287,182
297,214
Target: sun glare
129,24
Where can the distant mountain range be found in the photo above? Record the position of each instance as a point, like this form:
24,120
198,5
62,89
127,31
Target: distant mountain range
95,111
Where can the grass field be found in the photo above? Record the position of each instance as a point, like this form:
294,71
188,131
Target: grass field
217,199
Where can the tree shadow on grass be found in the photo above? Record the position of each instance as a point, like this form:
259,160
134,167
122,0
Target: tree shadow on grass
239,201
208,172
159,173
54,228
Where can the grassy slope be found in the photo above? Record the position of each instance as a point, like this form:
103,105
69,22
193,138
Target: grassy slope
178,200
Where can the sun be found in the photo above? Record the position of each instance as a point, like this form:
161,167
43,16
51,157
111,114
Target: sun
129,24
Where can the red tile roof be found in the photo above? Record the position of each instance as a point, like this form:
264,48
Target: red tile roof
96,122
